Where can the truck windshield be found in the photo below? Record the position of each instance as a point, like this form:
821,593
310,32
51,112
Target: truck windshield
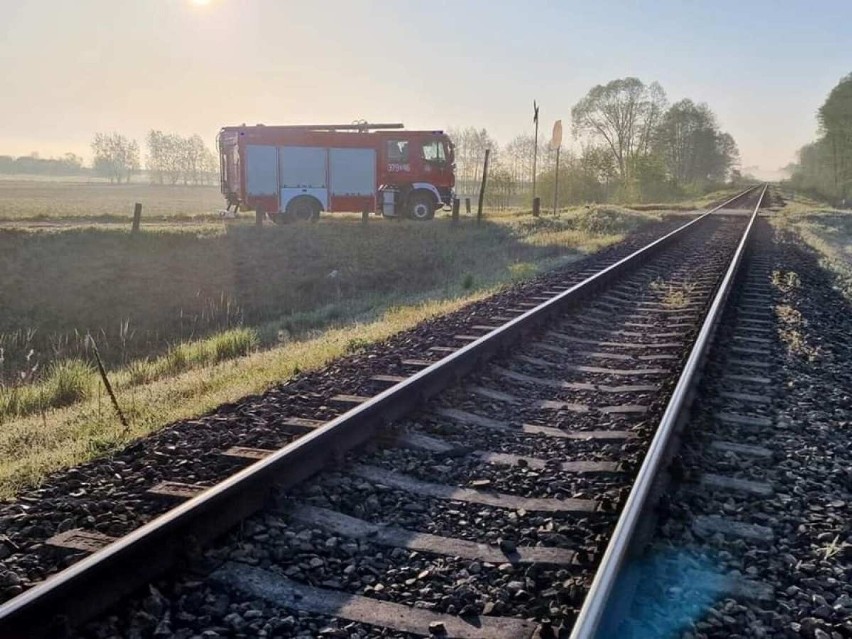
434,151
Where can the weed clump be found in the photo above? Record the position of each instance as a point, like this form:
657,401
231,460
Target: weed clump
66,382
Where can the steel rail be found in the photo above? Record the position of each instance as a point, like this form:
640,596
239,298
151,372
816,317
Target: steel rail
598,600
89,586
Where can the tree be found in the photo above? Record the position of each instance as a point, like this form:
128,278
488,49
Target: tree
115,156
599,172
518,158
502,187
824,167
691,146
172,159
622,116
835,121
197,160
164,160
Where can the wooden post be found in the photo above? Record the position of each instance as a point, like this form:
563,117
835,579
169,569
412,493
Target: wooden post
456,204
535,150
137,218
364,215
482,186
105,379
556,183
536,206
259,214
467,205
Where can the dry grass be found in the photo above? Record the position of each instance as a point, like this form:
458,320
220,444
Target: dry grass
793,330
827,231
673,295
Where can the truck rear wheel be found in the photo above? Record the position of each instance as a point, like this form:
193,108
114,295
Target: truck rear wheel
421,206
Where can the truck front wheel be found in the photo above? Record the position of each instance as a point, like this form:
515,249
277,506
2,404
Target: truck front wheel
421,206
300,209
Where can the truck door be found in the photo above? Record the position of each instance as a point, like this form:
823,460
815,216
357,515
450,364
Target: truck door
397,157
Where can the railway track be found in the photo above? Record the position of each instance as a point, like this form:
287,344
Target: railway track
469,489
755,528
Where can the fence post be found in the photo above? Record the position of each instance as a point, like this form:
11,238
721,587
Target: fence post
556,182
467,205
456,204
482,186
258,217
137,218
105,379
536,206
364,215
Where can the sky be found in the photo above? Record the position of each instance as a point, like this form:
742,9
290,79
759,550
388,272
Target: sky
73,68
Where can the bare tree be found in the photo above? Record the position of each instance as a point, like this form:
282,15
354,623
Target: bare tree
172,159
197,160
470,144
116,156
518,158
165,162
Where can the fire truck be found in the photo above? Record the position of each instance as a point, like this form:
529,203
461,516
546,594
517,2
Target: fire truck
292,173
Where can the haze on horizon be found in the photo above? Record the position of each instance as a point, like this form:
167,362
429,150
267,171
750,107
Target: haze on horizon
192,66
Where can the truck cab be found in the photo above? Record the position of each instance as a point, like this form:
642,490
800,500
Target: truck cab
419,169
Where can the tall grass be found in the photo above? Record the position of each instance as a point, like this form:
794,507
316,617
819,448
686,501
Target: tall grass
73,380
66,382
229,344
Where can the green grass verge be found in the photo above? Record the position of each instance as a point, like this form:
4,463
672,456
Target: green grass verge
34,446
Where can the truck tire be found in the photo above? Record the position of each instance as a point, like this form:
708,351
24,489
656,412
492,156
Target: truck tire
421,206
303,209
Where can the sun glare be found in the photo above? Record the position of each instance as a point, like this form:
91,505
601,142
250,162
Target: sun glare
200,3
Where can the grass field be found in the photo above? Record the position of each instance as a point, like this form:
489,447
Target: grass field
24,200
138,294
190,315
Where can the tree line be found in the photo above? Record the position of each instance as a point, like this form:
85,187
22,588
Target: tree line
633,146
67,165
169,159
824,167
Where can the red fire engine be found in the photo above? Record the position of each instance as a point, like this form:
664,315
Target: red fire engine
294,172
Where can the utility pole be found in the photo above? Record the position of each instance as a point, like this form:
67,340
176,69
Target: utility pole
535,147
556,183
556,143
482,187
